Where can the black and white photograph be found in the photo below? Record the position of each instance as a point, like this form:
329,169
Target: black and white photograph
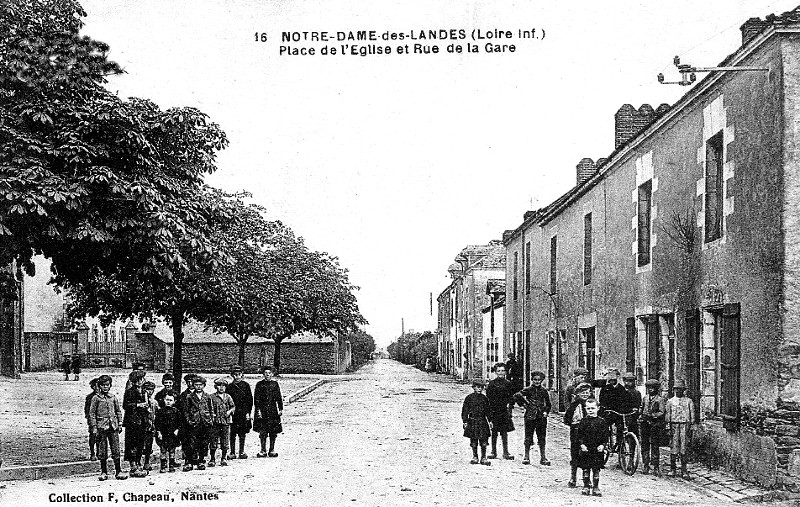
419,252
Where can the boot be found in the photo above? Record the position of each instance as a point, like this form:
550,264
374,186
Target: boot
544,461
573,482
163,465
672,471
526,460
222,461
596,487
118,473
656,471
684,472
147,466
484,461
586,484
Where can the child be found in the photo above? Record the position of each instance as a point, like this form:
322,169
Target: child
166,426
168,383
269,408
679,415
501,396
579,376
223,417
475,416
135,406
105,421
242,396
76,366
149,429
197,420
179,404
652,425
572,418
592,435
86,407
536,401
66,366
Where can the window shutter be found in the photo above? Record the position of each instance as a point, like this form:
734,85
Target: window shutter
693,324
729,366
630,344
653,356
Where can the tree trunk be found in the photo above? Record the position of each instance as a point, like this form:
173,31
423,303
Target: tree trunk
242,342
276,359
177,347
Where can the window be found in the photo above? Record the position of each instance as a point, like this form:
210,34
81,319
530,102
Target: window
553,255
630,345
586,348
720,353
516,267
643,221
653,331
714,192
587,249
528,267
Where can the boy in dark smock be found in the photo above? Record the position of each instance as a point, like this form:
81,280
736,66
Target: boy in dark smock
572,418
475,417
135,406
501,396
167,423
198,420
592,436
168,383
242,396
268,404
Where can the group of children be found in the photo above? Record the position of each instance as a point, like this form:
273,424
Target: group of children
194,420
649,416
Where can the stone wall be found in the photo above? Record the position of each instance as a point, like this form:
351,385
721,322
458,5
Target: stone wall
41,352
298,357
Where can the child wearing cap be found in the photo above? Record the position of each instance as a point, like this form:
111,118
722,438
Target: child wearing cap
135,405
579,376
168,386
536,401
242,396
149,429
180,401
105,423
166,425
572,418
652,425
222,419
633,402
475,417
198,421
86,406
679,415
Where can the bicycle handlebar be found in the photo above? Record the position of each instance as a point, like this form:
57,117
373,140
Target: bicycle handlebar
620,413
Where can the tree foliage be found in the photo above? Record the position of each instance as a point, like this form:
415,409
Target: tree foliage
362,345
414,348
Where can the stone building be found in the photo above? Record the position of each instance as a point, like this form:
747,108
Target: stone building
493,325
460,309
678,256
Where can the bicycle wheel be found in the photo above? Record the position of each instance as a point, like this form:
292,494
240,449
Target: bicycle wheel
629,453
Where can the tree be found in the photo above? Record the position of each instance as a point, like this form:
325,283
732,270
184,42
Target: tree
362,345
82,170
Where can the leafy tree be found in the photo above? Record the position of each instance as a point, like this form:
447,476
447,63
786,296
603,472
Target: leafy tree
362,345
414,348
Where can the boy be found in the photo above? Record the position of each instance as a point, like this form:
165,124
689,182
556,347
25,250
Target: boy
572,418
579,376
613,396
501,396
222,416
242,396
197,420
179,403
168,383
536,401
514,375
135,423
679,415
592,436
87,405
268,402
105,421
652,425
149,418
166,426
475,416
66,366
76,366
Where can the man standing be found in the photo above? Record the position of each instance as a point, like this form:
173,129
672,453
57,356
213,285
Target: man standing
242,396
515,374
501,397
613,396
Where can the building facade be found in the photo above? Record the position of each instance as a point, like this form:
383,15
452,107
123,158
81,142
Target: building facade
677,257
462,351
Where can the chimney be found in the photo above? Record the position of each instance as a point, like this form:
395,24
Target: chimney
628,122
751,28
586,169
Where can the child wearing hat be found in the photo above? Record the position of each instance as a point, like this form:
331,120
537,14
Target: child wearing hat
652,425
168,386
86,406
536,401
198,420
242,396
475,418
222,419
105,422
633,402
572,418
135,405
579,376
679,415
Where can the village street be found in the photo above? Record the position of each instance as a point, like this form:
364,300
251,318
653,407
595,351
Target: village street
389,435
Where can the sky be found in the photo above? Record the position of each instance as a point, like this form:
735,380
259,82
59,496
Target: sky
393,163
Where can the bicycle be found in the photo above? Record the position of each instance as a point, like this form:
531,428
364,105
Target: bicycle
629,452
